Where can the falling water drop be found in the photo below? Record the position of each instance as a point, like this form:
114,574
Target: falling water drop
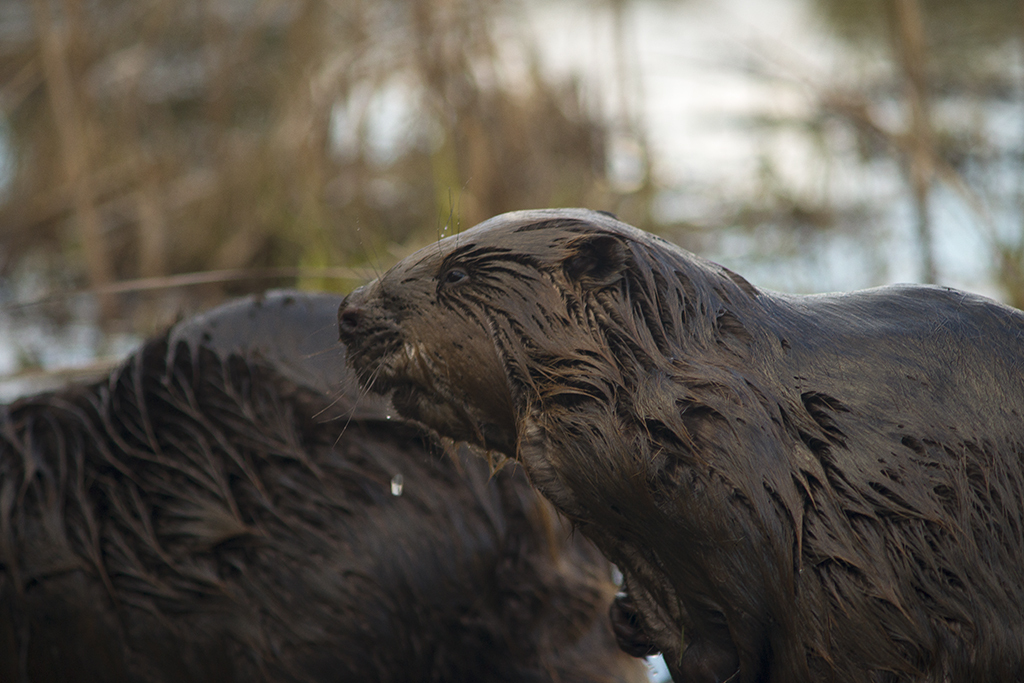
397,482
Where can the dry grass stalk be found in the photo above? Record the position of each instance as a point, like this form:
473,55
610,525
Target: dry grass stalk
909,34
74,140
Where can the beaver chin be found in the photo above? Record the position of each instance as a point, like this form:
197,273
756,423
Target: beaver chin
450,417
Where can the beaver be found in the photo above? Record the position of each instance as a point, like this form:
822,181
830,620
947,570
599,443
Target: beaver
196,517
796,488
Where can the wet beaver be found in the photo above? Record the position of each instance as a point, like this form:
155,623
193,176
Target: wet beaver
195,518
796,488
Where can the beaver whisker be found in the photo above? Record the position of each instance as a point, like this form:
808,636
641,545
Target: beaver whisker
363,390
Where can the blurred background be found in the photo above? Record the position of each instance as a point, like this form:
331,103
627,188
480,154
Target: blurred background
159,155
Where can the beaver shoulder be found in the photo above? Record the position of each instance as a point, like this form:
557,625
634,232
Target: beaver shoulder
795,487
195,517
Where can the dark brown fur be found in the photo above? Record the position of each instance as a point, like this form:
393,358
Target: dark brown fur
197,518
796,488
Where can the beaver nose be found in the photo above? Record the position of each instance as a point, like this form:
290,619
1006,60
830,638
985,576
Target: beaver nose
350,319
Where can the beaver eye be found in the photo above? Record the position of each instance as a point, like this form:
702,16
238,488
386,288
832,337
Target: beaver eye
454,276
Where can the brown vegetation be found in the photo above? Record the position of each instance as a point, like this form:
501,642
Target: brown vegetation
160,137
153,138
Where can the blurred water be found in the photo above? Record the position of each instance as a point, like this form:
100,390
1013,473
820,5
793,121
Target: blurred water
38,353
698,73
657,670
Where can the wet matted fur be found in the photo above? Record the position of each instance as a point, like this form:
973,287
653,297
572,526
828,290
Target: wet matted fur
196,518
797,488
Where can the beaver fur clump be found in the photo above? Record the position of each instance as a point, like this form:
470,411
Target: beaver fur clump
196,518
817,488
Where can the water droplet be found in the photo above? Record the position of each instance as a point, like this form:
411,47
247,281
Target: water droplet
387,417
397,482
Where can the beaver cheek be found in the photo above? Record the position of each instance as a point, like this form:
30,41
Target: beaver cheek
477,374
535,455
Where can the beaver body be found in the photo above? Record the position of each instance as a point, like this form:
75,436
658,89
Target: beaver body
796,488
199,517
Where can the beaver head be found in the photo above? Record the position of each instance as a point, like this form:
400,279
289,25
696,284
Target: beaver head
536,318
784,481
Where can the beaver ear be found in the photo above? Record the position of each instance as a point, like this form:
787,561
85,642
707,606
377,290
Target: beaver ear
595,259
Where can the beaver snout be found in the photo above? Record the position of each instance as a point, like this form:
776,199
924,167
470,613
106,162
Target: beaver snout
351,315
371,335
350,319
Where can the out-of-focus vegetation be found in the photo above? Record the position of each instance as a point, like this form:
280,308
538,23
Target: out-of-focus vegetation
935,86
313,142
153,137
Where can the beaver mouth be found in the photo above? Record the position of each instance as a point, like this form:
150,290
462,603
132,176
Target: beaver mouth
406,374
379,362
400,369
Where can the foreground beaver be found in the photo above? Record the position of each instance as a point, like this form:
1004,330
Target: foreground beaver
796,488
196,518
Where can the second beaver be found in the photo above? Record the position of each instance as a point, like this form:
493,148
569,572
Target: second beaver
796,488
214,512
